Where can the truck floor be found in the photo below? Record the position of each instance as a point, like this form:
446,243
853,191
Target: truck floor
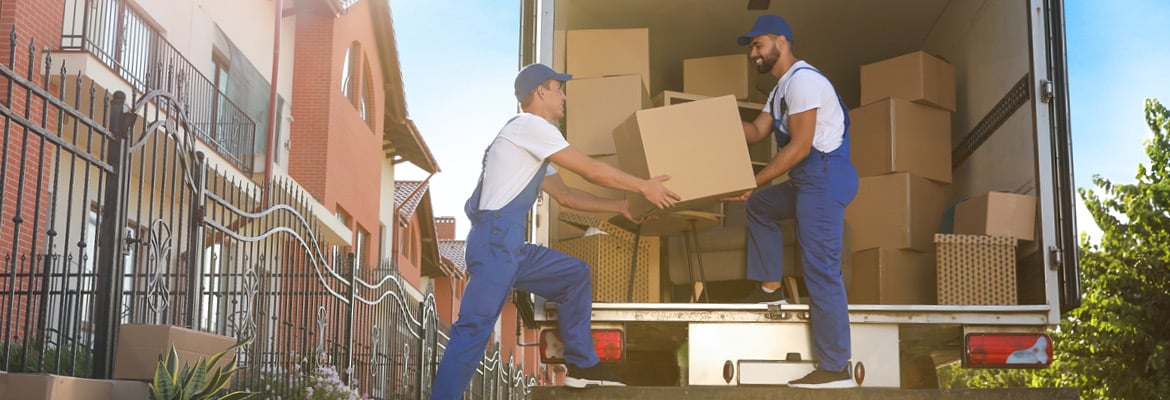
764,392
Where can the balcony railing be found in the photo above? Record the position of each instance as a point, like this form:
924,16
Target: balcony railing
119,36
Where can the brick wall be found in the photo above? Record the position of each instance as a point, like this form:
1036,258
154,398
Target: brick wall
24,192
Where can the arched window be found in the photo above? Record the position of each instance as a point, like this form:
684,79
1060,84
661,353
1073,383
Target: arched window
366,105
349,76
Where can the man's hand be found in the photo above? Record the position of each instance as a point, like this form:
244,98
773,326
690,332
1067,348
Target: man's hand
625,211
739,197
657,194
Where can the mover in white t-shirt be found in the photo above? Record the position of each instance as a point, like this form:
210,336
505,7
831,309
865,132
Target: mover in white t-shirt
515,169
811,126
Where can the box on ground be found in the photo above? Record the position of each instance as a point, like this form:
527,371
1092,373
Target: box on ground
592,53
896,211
997,214
20,386
609,256
976,269
700,144
597,105
892,276
896,135
918,77
139,346
719,76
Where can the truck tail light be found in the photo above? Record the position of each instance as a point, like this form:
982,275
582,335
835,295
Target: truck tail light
1008,350
609,344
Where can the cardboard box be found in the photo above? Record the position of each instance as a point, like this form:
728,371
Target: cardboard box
891,276
609,257
577,182
19,386
976,269
998,214
594,53
918,77
895,135
760,152
129,390
718,76
595,106
896,211
700,144
139,346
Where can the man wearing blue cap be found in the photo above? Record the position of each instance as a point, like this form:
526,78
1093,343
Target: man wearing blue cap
811,127
515,170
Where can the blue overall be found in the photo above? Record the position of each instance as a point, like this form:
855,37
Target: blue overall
818,189
498,259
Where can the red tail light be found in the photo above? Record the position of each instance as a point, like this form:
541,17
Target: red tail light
609,344
1008,350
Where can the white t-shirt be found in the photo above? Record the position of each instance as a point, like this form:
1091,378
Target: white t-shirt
806,90
514,158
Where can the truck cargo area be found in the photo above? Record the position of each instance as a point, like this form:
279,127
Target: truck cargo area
1004,137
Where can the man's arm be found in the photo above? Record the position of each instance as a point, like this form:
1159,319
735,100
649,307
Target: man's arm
603,174
801,127
758,129
581,200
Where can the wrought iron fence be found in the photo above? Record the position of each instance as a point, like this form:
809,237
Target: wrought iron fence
120,37
110,216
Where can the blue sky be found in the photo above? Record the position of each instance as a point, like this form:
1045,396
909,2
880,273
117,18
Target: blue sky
459,57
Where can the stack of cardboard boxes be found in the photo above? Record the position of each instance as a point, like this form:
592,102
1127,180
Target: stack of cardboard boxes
977,264
902,151
900,137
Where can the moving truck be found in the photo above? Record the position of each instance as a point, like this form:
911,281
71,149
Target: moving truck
1006,139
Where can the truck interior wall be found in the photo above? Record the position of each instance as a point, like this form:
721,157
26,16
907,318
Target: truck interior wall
987,41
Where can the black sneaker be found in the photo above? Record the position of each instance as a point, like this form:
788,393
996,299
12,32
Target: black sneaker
759,296
597,375
823,379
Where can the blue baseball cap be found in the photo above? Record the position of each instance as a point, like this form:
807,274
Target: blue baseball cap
535,75
767,24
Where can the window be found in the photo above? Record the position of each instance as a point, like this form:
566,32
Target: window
357,83
366,107
221,123
349,74
381,242
363,244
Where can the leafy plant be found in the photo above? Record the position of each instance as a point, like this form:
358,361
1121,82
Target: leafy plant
70,359
203,381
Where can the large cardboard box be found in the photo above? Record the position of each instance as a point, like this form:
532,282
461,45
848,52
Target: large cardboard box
718,76
896,211
896,135
918,77
139,346
19,386
760,152
700,144
976,269
891,276
998,214
611,260
577,182
592,53
595,106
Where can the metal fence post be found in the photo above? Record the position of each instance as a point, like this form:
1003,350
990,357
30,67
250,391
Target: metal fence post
195,239
113,217
350,317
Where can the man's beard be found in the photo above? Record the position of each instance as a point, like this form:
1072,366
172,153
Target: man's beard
767,61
